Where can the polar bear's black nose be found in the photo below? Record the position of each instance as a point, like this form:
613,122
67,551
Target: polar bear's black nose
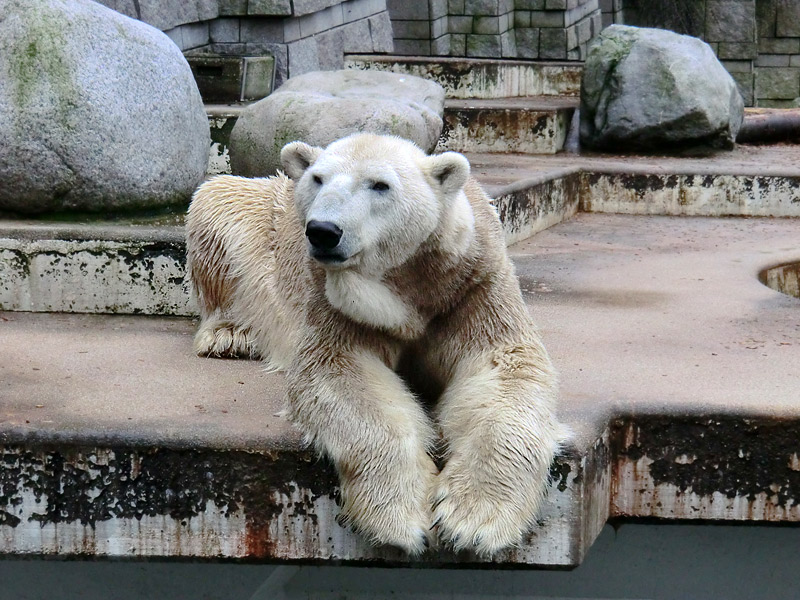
323,235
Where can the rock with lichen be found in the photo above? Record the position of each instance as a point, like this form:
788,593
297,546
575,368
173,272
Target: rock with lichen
323,106
647,89
98,112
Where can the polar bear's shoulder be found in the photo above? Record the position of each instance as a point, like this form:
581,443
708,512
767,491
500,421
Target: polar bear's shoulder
225,189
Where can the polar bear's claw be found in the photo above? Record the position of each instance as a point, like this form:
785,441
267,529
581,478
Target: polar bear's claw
412,538
391,508
468,517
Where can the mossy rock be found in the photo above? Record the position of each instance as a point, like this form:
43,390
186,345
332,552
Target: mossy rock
98,112
321,107
651,89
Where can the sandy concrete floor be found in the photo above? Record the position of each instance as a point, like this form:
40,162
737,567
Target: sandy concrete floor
656,315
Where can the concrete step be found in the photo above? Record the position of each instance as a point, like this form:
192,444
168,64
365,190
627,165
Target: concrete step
481,77
527,125
125,268
678,372
138,268
493,105
523,125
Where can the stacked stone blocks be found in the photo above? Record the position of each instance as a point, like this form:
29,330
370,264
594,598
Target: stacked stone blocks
777,73
547,29
730,30
612,12
556,29
758,41
483,29
413,24
302,35
476,28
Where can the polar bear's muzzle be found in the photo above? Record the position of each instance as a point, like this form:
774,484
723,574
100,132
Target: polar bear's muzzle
324,238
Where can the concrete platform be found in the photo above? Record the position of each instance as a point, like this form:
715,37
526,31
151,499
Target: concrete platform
679,378
137,267
530,125
780,160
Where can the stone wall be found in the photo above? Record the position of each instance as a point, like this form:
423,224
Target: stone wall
303,35
481,29
556,29
477,28
612,11
758,41
547,29
777,66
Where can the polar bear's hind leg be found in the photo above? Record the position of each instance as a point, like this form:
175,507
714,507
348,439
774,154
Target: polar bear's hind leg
221,338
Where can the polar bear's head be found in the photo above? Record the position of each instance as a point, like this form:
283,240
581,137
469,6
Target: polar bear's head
368,202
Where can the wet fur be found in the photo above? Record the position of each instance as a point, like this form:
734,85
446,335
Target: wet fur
447,306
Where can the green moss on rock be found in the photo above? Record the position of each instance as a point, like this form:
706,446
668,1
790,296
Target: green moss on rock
38,60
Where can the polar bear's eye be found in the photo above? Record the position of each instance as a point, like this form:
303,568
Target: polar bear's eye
380,186
317,179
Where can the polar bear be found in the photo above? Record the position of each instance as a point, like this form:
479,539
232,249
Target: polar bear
377,277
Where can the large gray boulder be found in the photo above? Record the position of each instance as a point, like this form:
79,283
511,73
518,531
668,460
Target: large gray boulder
321,107
97,111
646,89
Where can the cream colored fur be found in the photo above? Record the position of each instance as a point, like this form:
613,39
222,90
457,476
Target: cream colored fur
365,300
421,284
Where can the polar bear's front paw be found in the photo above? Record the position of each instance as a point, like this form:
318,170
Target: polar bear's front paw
388,510
482,516
390,526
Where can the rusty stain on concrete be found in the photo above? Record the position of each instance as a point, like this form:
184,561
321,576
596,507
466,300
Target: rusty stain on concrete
211,504
707,467
87,486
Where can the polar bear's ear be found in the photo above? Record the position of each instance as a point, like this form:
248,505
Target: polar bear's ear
449,171
296,157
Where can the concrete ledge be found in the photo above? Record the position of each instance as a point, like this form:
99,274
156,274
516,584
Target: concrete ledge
481,78
713,467
699,195
536,125
532,205
139,269
749,181
101,269
678,372
263,505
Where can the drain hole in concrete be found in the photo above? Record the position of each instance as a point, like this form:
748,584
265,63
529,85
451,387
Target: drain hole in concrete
783,278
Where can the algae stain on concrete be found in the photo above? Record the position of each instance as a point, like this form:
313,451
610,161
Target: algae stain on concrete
39,64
